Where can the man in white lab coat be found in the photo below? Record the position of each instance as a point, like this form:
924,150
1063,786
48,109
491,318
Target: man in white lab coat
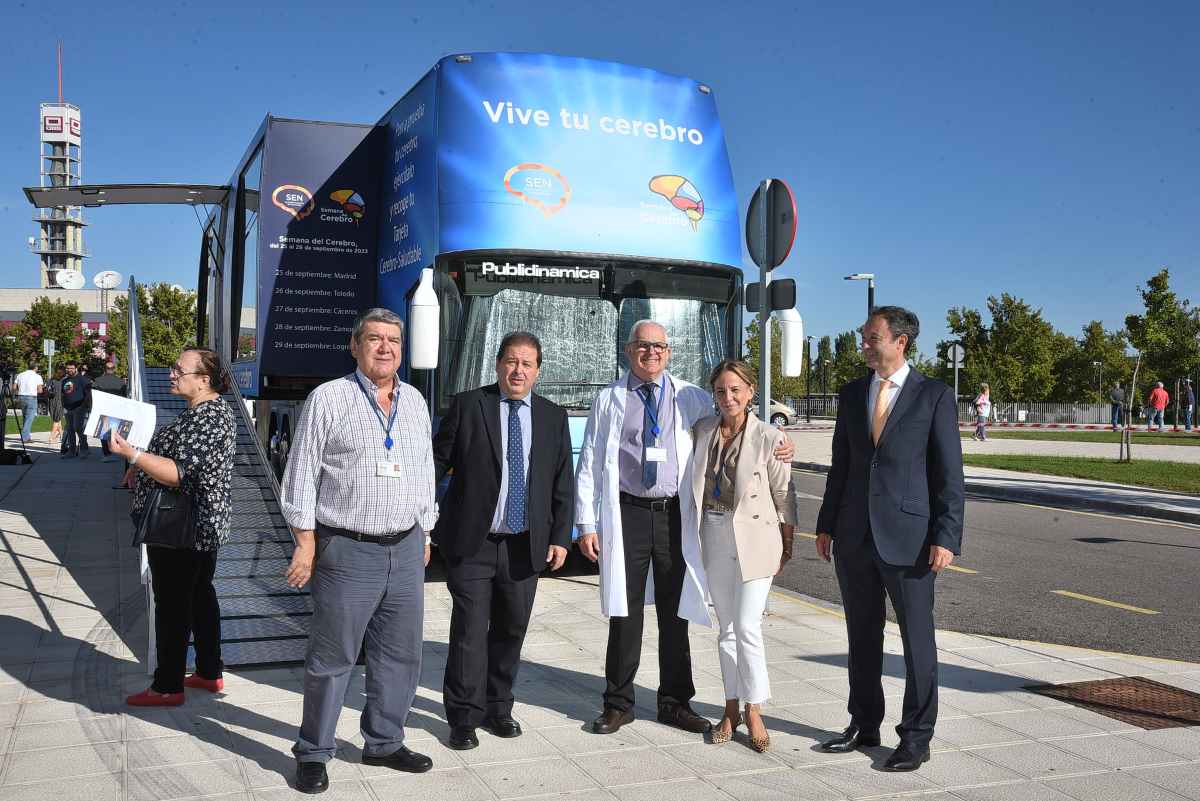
636,449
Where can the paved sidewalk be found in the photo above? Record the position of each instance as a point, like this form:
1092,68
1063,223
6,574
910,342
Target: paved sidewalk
814,451
73,643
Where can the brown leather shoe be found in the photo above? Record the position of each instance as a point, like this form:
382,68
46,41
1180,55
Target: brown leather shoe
612,720
682,716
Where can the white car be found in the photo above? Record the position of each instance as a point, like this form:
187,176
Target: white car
782,414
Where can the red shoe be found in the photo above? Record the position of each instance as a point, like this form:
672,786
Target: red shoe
149,697
198,682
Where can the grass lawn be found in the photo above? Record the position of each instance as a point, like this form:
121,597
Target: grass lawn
1171,476
1139,437
40,423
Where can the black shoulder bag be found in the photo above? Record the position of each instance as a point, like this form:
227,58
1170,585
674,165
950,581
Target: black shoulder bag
168,519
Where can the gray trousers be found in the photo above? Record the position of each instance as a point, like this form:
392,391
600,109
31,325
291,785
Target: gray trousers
363,590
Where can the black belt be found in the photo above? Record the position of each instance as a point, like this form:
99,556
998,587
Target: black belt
499,536
378,539
654,504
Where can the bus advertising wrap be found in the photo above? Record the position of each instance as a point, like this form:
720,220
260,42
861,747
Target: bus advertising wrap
317,226
549,153
408,195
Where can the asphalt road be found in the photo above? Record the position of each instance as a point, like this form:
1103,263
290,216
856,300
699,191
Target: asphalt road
1023,554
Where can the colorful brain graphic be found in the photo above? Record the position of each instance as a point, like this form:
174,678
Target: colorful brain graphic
351,202
681,194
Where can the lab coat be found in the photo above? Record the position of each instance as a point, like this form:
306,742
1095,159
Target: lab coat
598,496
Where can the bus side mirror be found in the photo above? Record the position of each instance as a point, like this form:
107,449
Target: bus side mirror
791,342
423,325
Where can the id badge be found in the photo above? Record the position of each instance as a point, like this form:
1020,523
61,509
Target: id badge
656,454
388,470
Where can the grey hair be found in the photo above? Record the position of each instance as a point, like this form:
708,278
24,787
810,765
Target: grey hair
633,331
376,315
1158,384
900,321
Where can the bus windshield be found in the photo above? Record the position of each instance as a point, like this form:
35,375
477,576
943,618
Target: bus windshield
583,337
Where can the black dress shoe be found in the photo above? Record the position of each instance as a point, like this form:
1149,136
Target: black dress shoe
612,720
502,726
682,716
851,739
462,738
405,760
311,777
906,757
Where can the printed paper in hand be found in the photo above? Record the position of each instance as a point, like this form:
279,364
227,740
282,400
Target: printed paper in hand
133,419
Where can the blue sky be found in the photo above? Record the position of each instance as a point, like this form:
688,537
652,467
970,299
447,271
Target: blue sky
957,149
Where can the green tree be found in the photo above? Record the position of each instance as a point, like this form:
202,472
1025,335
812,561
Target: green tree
168,319
1100,355
848,362
1020,354
47,319
1165,334
781,387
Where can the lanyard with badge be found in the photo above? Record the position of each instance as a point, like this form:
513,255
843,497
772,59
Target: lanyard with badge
388,469
655,454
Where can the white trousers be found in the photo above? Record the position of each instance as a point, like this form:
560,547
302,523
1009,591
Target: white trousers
740,606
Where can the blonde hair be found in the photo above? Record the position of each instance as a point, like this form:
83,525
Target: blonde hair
735,366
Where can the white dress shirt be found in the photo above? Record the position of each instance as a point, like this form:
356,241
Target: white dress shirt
897,378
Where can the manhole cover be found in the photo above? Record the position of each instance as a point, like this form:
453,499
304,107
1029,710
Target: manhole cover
1133,699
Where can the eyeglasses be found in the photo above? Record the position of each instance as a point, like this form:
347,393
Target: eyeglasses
657,347
175,369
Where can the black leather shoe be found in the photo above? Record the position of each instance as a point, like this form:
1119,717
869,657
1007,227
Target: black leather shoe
462,738
311,777
405,760
852,739
612,720
682,716
906,757
502,726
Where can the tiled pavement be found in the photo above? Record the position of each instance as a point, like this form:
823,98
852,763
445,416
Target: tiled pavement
72,629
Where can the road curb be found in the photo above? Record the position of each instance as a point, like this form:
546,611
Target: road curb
1056,499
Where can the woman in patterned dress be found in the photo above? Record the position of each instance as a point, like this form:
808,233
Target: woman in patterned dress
195,454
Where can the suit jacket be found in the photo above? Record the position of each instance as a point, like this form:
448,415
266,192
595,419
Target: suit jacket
910,488
468,442
763,495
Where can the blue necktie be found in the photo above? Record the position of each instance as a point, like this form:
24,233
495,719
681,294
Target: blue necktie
649,469
514,507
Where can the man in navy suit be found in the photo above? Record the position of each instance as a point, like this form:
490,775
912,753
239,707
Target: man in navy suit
506,517
892,518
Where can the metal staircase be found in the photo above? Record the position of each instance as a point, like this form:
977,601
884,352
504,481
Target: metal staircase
263,621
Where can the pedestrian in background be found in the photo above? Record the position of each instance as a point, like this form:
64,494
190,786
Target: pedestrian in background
1187,400
983,409
1117,398
743,518
111,383
1155,404
359,494
26,386
194,454
54,405
77,405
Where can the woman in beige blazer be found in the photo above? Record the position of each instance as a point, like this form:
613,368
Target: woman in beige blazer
747,515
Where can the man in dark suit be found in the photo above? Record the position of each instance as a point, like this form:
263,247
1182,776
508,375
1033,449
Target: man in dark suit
505,517
892,518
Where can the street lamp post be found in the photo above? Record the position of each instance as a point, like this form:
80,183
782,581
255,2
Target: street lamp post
1099,368
870,279
825,385
808,380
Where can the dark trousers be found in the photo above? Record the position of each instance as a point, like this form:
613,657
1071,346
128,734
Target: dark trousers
185,607
74,438
652,539
864,579
493,593
1116,415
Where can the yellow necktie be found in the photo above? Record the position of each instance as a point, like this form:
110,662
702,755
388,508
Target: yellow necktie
880,416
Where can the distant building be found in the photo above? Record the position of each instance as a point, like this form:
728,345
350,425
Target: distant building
15,302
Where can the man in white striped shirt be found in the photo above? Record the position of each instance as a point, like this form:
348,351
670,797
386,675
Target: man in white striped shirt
359,494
